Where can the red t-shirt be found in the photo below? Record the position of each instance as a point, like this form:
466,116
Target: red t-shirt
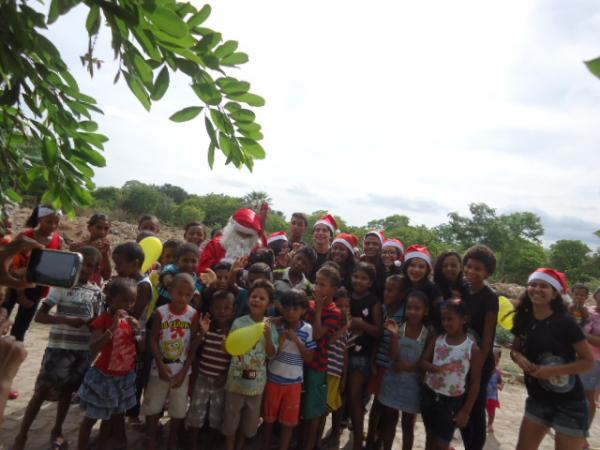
331,318
118,356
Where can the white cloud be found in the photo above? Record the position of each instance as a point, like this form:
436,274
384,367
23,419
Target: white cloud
428,104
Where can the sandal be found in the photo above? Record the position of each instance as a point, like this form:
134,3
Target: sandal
59,443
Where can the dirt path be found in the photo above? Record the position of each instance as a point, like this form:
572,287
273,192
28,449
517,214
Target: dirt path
504,438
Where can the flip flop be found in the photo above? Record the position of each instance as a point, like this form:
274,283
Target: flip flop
59,443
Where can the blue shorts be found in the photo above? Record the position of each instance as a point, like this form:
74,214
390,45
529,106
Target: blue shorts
591,380
570,418
360,364
438,412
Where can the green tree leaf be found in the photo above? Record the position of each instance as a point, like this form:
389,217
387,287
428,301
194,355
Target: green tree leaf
168,21
199,17
92,23
50,152
226,49
138,89
161,84
222,121
249,99
593,66
253,148
235,59
186,114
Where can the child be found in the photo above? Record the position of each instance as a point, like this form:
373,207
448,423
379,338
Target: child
295,276
552,350
218,279
494,385
67,356
325,318
450,359
43,225
209,386
580,294
170,340
367,325
149,222
342,252
416,271
108,388
482,306
247,374
285,374
394,308
448,275
195,233
98,226
169,252
591,380
186,261
278,244
401,383
337,368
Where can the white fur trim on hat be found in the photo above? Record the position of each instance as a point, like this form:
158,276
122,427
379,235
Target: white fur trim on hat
421,255
377,234
326,223
393,244
243,229
556,284
44,211
281,237
345,243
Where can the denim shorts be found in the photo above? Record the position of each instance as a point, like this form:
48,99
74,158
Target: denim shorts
570,418
438,412
359,363
591,380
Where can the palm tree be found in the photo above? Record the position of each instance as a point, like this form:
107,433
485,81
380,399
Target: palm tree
255,199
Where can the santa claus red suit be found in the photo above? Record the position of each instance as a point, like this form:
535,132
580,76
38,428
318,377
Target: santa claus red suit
240,236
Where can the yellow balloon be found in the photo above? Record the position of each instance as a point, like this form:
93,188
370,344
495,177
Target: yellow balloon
152,247
506,313
242,340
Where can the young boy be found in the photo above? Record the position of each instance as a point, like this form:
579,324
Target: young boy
285,374
495,384
247,374
479,264
171,343
578,310
325,318
67,356
209,385
169,252
337,369
295,276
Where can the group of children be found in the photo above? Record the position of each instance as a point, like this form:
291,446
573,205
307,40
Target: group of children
341,330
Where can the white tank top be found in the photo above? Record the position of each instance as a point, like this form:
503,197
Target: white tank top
452,382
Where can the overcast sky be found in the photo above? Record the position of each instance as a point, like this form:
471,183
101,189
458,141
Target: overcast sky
416,108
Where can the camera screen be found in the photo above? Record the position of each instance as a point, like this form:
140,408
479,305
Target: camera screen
55,268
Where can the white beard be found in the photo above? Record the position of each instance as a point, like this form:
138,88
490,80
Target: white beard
235,245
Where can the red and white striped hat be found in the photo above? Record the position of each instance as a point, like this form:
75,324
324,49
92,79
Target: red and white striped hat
277,236
329,221
346,239
379,233
556,279
396,243
418,251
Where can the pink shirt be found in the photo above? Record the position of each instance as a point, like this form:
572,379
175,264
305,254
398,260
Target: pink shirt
593,327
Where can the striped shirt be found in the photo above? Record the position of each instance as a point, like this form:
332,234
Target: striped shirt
214,360
337,353
82,301
331,318
287,366
382,357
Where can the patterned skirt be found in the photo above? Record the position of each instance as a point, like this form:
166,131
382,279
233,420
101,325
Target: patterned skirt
102,395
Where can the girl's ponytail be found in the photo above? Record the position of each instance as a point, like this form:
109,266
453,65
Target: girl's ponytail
33,219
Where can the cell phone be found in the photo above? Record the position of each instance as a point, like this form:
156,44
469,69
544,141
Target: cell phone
54,268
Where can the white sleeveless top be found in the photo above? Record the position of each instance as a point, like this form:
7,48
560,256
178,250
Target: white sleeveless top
450,383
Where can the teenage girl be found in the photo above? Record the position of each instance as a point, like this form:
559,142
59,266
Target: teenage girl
366,323
342,253
98,226
108,388
391,255
449,361
552,351
416,271
402,381
42,226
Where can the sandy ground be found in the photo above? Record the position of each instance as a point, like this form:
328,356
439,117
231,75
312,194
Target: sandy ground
506,427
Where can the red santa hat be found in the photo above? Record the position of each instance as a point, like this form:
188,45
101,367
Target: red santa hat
395,243
378,233
347,240
329,221
556,279
277,236
247,221
418,251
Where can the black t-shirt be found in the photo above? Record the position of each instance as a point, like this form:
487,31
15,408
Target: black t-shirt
479,304
552,341
321,258
363,308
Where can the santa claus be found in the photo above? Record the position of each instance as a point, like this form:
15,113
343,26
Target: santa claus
243,232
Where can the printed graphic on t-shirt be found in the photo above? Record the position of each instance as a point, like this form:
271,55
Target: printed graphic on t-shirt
559,383
123,353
